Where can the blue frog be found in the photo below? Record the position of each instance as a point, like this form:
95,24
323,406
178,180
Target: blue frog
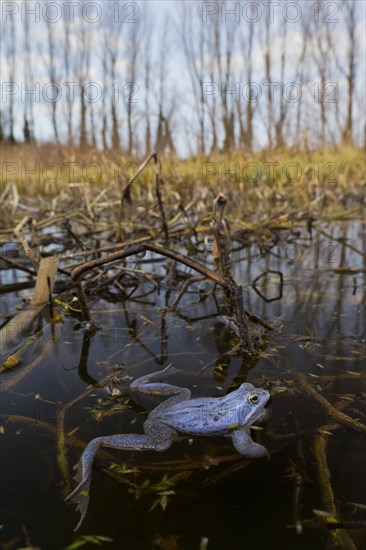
231,415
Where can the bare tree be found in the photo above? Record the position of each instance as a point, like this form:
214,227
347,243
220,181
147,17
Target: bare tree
67,53
267,66
28,127
224,44
110,55
10,52
53,75
350,72
132,50
194,52
322,54
147,34
82,71
300,76
162,133
283,107
246,129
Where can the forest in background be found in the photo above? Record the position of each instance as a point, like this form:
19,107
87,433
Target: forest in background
186,78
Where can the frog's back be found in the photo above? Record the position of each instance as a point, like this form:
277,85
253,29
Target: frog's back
215,415
201,416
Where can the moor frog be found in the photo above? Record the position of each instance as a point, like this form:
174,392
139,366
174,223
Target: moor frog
230,415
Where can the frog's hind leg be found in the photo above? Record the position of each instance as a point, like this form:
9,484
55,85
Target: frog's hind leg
158,437
150,384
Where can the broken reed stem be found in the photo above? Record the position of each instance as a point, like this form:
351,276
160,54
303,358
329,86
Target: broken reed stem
222,247
125,193
158,181
338,415
21,239
221,255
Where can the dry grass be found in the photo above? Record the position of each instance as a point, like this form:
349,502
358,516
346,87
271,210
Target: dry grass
46,180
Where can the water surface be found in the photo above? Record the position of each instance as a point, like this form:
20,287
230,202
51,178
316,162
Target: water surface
318,315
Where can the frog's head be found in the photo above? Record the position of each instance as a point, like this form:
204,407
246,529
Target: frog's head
251,403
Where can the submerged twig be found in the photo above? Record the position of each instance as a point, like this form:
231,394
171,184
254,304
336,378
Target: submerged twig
338,415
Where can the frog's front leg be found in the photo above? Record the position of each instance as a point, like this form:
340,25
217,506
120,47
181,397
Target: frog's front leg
245,445
158,437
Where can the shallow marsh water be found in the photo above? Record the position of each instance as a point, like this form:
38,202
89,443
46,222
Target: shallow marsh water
318,314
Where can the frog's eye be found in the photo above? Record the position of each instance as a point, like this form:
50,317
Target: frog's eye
253,398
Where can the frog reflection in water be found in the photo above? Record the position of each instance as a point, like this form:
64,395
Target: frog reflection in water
230,415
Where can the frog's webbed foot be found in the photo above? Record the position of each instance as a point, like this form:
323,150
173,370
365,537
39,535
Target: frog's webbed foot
157,438
245,445
80,496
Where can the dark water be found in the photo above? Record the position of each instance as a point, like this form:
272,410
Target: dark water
319,319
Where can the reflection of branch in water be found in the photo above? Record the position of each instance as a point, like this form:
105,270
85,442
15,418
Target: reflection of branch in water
132,330
233,292
83,363
184,288
61,439
11,382
320,454
280,292
299,476
341,241
52,431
